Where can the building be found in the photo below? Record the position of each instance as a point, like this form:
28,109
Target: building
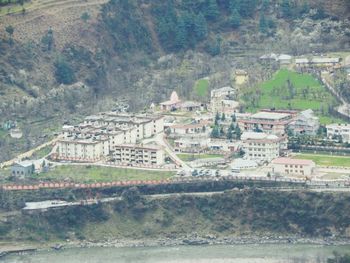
190,106
82,150
98,135
172,104
190,145
305,123
284,59
217,97
339,130
261,147
139,155
320,62
191,128
293,166
22,169
267,122
241,77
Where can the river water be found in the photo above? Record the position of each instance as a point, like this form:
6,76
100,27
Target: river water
186,254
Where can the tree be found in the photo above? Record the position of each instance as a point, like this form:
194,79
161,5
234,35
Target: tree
180,36
234,118
263,24
215,133
85,16
212,10
286,9
235,19
238,132
63,72
223,117
217,118
48,40
200,27
10,30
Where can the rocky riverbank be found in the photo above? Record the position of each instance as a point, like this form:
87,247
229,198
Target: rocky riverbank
192,240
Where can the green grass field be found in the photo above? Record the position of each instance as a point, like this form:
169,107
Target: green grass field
80,173
292,90
201,87
326,160
190,157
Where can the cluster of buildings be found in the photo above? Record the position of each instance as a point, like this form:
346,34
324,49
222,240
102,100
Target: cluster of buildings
303,62
112,136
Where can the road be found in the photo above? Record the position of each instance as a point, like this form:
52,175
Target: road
29,153
160,140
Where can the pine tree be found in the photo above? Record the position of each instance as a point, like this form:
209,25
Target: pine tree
262,24
200,27
180,36
217,118
223,117
286,9
212,10
215,133
235,19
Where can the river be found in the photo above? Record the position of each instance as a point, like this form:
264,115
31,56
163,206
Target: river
186,254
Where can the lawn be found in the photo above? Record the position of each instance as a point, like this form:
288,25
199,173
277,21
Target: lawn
41,153
81,173
326,160
187,157
201,87
292,90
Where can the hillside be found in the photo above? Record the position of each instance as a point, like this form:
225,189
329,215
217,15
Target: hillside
63,59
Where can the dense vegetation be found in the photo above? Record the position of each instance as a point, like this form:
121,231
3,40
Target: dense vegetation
182,25
257,212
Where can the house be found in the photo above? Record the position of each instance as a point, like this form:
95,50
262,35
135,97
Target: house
261,147
339,130
293,166
22,169
190,106
318,62
191,128
301,62
241,77
241,164
190,145
269,57
172,104
268,122
220,99
223,145
305,123
284,59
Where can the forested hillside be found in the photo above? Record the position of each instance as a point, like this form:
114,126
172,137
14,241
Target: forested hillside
62,60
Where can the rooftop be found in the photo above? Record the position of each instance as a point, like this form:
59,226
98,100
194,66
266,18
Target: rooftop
270,115
258,136
290,161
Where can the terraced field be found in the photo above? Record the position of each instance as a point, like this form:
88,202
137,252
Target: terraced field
62,16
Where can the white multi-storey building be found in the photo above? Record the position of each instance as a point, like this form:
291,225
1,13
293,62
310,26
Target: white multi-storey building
342,130
261,147
293,166
98,136
148,155
305,123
